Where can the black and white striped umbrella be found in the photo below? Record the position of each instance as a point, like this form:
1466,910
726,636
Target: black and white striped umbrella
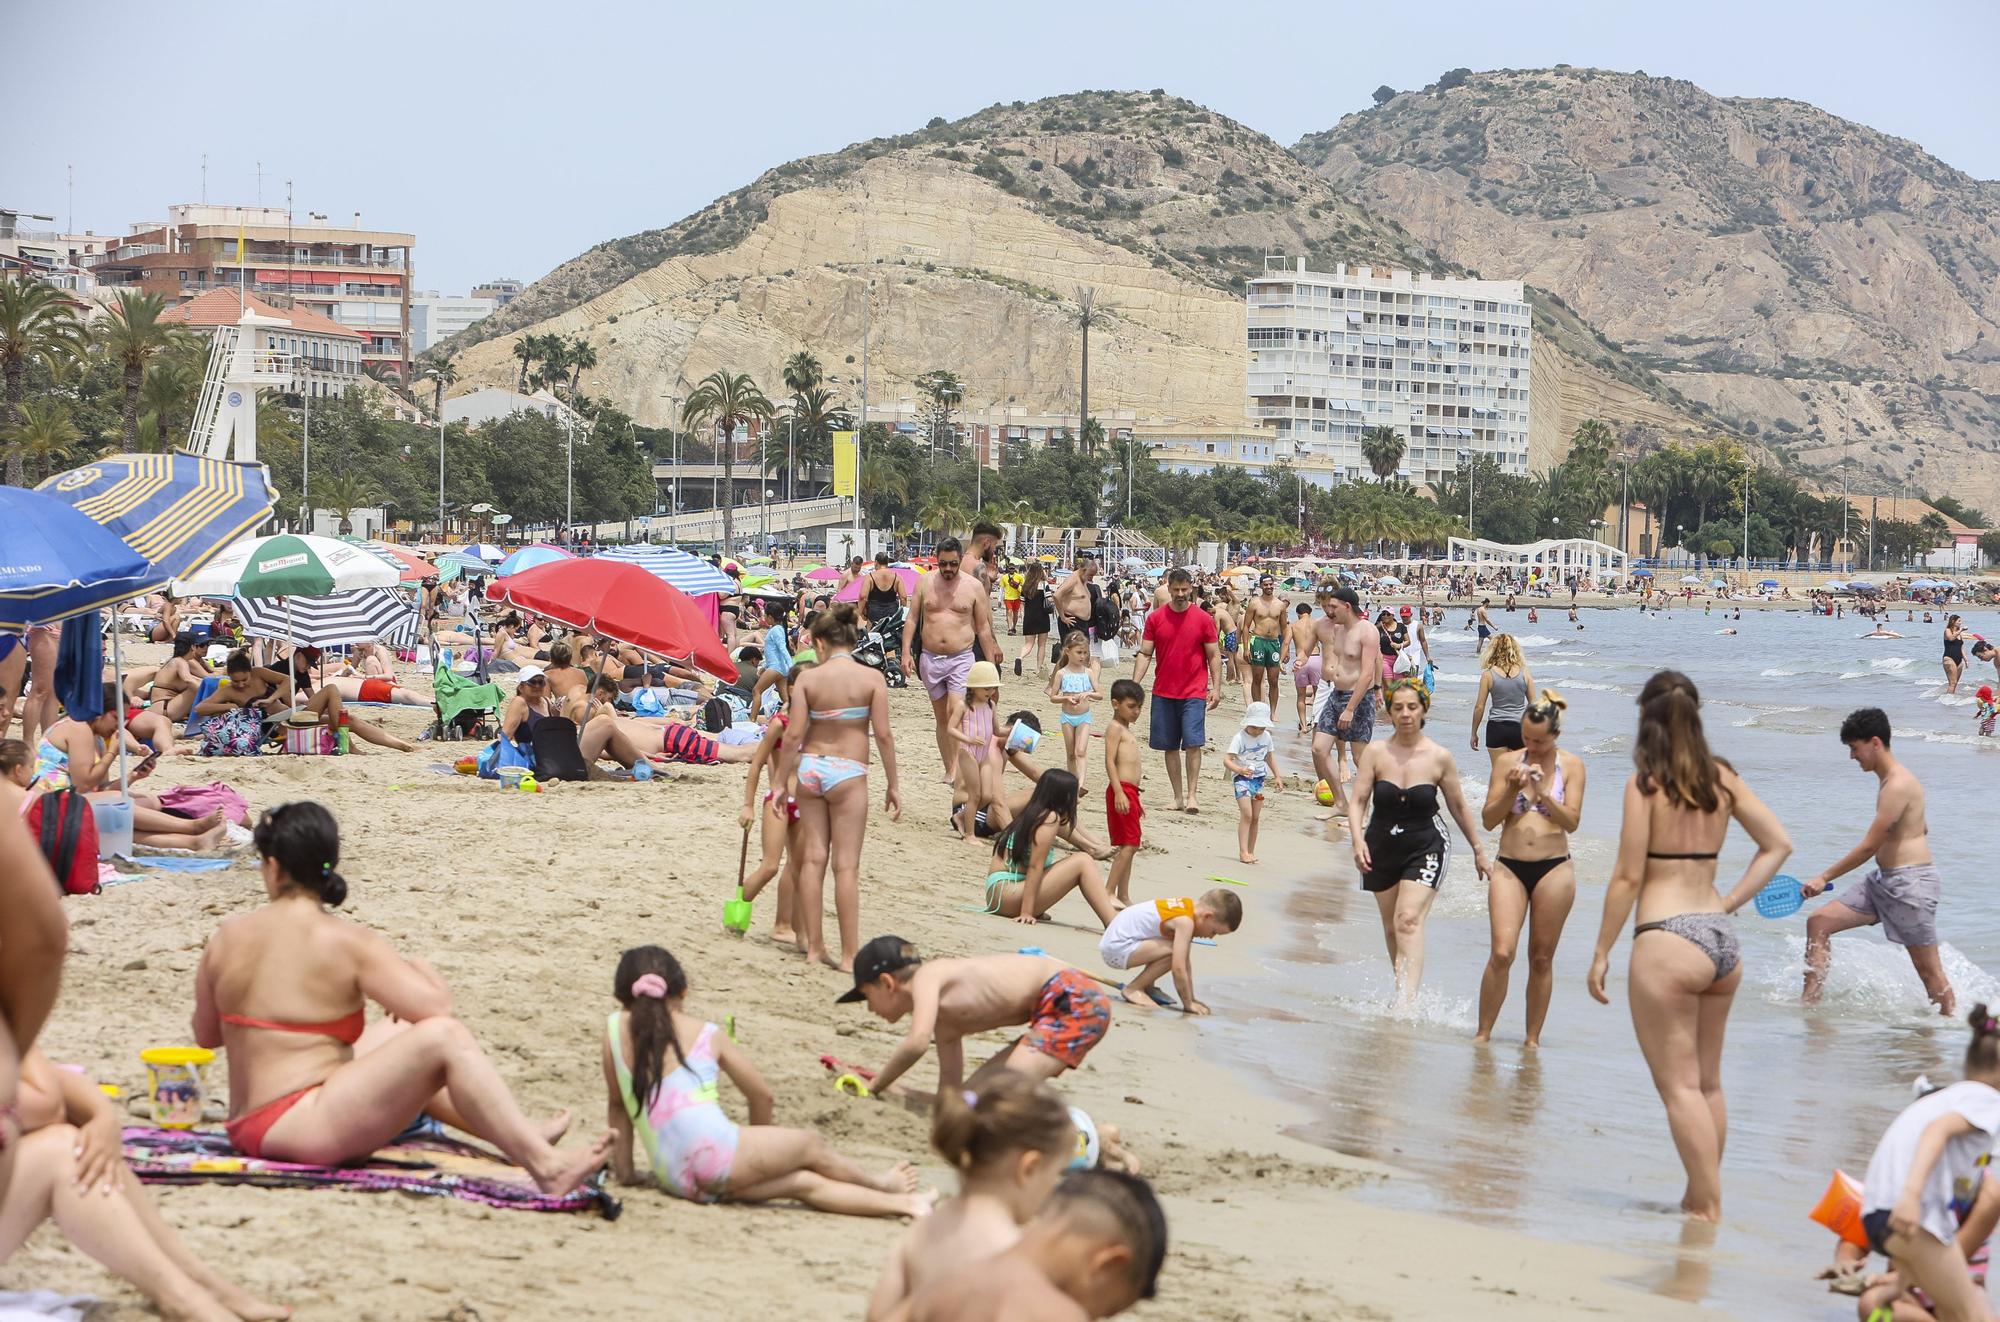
340,617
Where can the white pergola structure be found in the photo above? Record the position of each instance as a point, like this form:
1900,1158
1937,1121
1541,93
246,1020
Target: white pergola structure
1558,556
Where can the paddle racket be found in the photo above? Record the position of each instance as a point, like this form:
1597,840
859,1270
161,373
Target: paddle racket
1780,898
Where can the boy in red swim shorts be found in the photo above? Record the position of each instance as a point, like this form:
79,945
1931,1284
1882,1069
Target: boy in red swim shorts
1064,1011
1122,808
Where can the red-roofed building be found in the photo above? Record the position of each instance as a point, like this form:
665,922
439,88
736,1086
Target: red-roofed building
325,356
359,278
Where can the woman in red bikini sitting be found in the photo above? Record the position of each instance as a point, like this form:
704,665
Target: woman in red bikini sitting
285,987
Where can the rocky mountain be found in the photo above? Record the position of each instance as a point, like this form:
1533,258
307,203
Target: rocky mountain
1805,280
976,235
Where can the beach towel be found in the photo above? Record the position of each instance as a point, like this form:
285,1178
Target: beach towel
427,1166
456,695
79,678
44,1306
183,863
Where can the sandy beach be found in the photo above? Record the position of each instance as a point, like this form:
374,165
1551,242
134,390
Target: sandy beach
525,902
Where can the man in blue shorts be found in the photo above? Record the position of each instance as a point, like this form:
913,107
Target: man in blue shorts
1183,637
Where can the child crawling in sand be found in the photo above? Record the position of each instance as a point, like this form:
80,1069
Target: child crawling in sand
661,1067
1158,935
1063,1009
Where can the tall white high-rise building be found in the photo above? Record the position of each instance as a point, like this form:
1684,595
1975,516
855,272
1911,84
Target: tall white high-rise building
1442,360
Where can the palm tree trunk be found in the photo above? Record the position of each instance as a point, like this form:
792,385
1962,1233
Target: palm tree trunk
16,389
1083,417
135,376
729,486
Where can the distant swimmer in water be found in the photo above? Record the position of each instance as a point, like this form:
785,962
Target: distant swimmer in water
1880,632
1725,631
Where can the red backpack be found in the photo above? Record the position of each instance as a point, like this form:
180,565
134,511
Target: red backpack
66,829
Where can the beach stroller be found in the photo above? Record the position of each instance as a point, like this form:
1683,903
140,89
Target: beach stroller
465,710
881,648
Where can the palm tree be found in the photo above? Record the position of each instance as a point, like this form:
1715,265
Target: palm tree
944,514
169,393
885,484
724,401
442,374
524,349
1088,314
343,492
130,336
1383,448
581,356
38,324
943,391
802,372
815,417
40,430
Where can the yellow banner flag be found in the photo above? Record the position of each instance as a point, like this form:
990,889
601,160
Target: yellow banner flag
846,464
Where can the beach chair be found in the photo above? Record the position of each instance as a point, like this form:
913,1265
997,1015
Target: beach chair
558,754
465,710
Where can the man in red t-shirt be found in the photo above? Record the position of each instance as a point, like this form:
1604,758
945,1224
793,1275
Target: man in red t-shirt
1189,684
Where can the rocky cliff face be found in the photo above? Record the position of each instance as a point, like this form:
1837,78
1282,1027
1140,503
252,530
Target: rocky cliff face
1800,278
975,236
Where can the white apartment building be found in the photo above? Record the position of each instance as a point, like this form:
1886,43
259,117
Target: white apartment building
1442,360
436,317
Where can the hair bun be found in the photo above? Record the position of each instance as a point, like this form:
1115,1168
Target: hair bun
1982,1021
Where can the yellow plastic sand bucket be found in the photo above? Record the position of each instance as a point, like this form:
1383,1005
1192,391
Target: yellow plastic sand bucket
174,1085
1839,1209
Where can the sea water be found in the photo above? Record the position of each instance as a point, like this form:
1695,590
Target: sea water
1571,1142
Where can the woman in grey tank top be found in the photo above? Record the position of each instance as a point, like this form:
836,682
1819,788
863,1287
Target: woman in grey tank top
1507,685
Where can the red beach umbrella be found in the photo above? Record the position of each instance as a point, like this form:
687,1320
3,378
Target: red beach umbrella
622,601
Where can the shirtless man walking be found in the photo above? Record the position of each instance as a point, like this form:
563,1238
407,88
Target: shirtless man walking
952,613
1902,892
1351,667
1485,623
1264,623
1302,655
1074,607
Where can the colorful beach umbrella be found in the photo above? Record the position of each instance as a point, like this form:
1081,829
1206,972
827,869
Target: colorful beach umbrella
452,565
339,617
824,574
486,551
412,567
530,556
853,591
620,600
176,510
55,561
288,565
689,573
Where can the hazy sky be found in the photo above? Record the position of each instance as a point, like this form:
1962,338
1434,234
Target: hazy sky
511,136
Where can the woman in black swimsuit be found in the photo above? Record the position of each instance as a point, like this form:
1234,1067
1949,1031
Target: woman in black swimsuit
1954,652
1034,618
1401,852
1685,963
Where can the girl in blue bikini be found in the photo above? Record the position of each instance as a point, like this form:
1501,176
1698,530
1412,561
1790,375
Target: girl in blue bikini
1074,687
662,1068
833,711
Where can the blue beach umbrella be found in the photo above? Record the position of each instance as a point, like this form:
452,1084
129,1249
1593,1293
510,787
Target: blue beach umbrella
54,561
528,557
451,566
1767,582
176,510
486,551
1642,573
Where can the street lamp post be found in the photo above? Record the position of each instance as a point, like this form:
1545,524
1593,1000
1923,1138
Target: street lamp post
440,413
1465,462
791,471
1020,508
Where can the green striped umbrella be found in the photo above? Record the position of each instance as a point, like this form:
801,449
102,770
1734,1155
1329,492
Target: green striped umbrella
288,565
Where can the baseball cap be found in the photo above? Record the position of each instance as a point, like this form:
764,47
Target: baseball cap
885,954
1405,612
529,672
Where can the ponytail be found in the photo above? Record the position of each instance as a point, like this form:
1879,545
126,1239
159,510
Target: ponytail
1013,1113
303,840
1982,1054
1671,752
1547,710
647,981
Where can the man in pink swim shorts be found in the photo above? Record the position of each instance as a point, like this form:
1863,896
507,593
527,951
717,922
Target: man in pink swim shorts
954,616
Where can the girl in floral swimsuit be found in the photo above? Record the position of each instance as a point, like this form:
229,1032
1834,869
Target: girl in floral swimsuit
662,1069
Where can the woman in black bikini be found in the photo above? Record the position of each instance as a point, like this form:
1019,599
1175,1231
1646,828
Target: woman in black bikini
1401,852
1954,652
1540,800
1685,967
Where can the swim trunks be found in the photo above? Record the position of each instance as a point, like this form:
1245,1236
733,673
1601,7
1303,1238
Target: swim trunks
1124,826
1904,900
1248,787
1360,729
944,674
376,690
1307,674
684,743
1264,651
1071,1017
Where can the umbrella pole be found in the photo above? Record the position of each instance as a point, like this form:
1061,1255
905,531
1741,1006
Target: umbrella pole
118,682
